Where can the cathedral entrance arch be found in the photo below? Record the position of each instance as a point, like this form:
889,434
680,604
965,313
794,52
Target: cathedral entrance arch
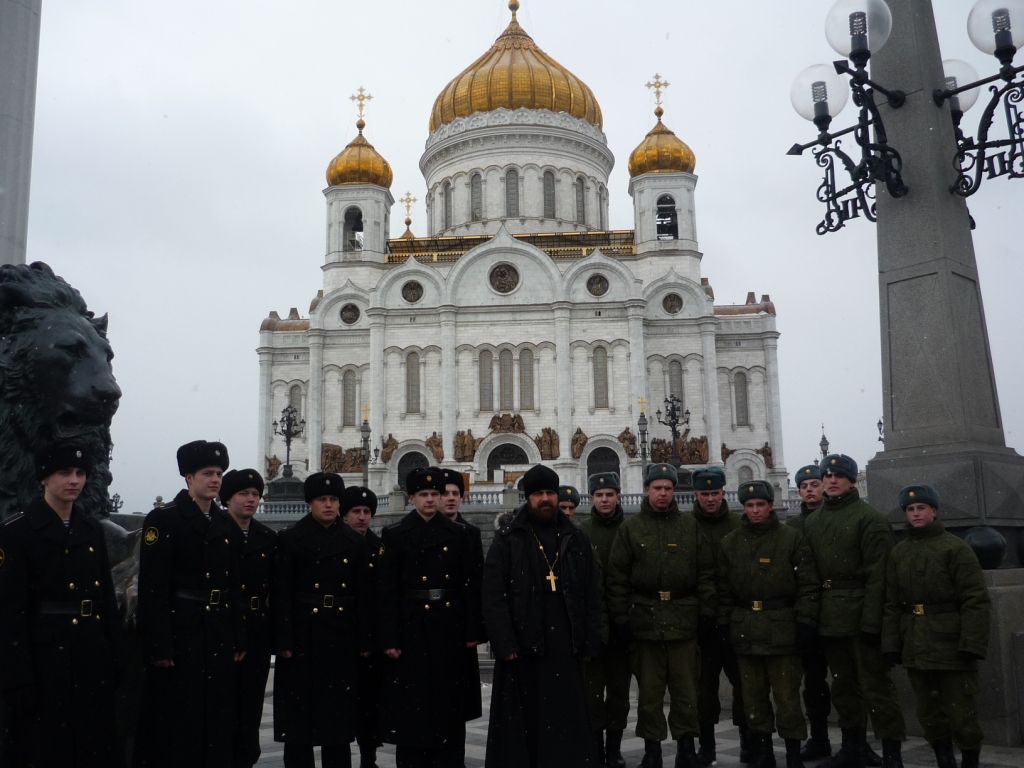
602,460
503,455
409,462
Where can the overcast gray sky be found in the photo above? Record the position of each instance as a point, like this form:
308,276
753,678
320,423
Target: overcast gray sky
180,152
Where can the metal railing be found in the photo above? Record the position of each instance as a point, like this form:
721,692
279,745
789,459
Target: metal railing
299,508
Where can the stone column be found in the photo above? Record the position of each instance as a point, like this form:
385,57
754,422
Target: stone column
712,414
563,377
611,380
942,420
404,382
19,61
315,417
423,384
637,356
496,383
590,382
774,402
448,374
516,395
377,377
476,383
266,416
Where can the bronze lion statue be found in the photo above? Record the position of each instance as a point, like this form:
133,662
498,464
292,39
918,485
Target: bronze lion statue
56,383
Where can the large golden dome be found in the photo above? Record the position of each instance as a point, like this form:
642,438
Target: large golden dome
515,73
359,163
661,151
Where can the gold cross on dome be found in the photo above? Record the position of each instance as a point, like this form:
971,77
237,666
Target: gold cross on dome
642,402
407,201
361,97
366,413
658,85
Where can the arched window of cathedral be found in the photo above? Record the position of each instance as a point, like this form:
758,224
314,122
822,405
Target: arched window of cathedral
507,403
675,379
549,195
581,201
486,381
412,383
295,399
348,399
600,377
526,380
602,460
742,408
668,223
600,207
476,197
353,236
446,194
746,475
512,193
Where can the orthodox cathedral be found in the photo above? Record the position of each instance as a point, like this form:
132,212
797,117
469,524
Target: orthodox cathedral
521,329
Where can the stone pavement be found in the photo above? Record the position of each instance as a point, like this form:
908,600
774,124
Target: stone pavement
916,753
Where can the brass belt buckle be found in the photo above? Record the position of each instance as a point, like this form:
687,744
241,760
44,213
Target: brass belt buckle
919,610
328,601
665,596
827,584
86,608
435,594
254,603
757,605
214,597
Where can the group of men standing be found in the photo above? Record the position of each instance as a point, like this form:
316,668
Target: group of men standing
376,638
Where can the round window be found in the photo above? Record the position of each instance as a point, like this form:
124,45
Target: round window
597,285
672,303
350,314
412,291
504,278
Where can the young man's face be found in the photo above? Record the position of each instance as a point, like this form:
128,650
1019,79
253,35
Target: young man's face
837,485
920,514
324,509
426,502
811,492
604,500
710,501
660,494
568,508
64,484
358,519
757,510
204,484
244,503
451,500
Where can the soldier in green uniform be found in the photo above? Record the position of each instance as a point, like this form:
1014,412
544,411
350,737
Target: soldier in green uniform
936,624
568,500
716,520
768,592
661,593
817,697
607,676
851,541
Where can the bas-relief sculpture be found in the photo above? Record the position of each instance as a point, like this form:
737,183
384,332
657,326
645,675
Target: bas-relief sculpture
766,454
273,467
579,442
466,445
334,458
628,442
507,422
389,447
692,451
436,446
548,444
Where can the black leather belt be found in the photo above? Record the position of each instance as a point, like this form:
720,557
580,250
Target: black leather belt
770,605
208,596
926,609
842,584
432,594
664,596
321,601
82,608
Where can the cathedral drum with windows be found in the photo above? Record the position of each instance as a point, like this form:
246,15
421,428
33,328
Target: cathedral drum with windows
521,329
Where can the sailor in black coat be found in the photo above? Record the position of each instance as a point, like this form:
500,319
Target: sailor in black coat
190,621
358,506
59,659
240,492
428,614
322,605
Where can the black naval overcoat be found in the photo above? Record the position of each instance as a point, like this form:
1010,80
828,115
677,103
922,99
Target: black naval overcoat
189,611
369,671
257,555
322,597
428,606
474,703
59,635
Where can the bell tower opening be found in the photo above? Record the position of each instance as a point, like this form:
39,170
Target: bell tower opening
668,222
353,236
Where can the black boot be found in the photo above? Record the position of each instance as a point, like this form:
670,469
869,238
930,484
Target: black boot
793,754
706,755
945,757
969,758
818,745
871,758
764,750
686,755
851,753
891,754
748,745
599,743
367,754
652,754
613,750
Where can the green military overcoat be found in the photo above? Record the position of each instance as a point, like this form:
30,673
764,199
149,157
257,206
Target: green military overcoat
601,532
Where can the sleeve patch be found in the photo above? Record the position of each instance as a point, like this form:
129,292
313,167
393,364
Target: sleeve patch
151,535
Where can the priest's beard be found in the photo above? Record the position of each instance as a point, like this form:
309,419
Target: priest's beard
544,512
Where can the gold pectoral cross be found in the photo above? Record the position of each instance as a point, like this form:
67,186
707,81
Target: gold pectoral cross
551,580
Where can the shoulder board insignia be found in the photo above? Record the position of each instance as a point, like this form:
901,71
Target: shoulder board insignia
16,516
151,535
766,559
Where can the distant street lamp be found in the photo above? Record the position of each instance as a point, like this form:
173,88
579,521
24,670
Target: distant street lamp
823,444
672,420
289,428
364,449
641,425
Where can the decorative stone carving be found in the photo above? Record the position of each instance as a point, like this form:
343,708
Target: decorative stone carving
661,451
597,285
547,444
273,467
691,451
466,445
672,303
507,422
504,278
726,452
350,314
412,291
628,441
521,116
388,449
436,447
579,442
766,453
334,458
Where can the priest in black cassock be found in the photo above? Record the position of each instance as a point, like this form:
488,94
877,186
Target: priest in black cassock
542,611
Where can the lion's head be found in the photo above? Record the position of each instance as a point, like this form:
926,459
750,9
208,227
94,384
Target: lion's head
56,383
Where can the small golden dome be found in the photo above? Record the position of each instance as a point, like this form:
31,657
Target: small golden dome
661,152
515,73
359,163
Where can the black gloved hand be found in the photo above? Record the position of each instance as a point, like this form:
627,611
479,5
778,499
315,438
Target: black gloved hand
967,656
21,699
871,639
621,634
806,638
707,632
724,636
892,658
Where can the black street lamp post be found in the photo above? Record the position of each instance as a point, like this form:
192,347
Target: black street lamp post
674,418
641,425
364,450
289,428
823,443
